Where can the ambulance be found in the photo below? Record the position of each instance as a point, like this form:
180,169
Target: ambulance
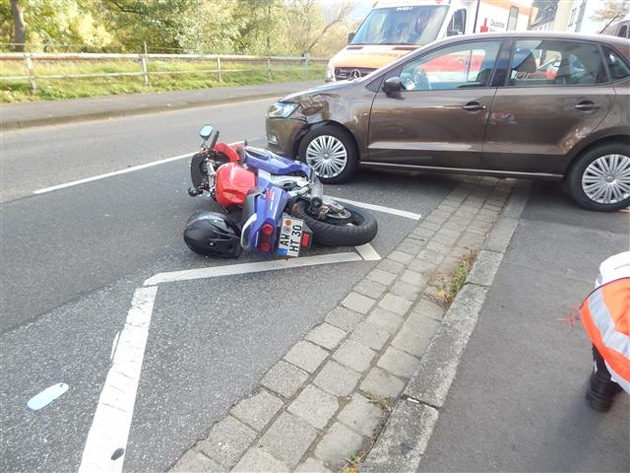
394,28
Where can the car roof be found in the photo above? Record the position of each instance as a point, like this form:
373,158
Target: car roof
612,40
620,44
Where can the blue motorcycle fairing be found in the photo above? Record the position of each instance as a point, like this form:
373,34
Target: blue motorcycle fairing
273,163
269,205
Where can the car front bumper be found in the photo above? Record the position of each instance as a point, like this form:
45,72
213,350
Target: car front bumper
283,135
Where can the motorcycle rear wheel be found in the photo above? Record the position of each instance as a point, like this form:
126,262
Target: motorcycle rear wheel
353,227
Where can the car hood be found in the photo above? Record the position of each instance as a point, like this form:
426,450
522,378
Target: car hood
334,88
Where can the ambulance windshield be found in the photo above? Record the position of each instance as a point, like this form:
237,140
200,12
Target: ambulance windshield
417,25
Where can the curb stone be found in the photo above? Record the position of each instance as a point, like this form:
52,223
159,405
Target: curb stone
337,408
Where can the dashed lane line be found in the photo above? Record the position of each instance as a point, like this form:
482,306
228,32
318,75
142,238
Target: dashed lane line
111,174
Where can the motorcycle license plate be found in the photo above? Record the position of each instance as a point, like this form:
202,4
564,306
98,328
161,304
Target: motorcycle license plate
290,237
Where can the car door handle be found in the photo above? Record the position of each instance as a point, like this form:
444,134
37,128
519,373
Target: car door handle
473,107
587,106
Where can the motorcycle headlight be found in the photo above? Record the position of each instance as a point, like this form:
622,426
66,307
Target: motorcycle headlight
281,110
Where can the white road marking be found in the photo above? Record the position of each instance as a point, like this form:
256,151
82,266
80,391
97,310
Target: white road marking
112,419
111,174
379,208
114,345
234,269
118,173
368,253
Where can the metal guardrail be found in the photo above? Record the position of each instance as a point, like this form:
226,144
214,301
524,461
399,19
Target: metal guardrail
143,60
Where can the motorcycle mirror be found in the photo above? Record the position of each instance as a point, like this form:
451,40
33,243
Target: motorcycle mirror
205,131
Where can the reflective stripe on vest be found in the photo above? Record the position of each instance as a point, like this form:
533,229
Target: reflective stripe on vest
605,315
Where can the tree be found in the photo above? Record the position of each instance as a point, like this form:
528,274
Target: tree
213,30
611,11
260,26
257,27
308,24
19,30
43,24
164,25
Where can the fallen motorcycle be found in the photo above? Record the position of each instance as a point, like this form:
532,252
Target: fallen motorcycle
282,202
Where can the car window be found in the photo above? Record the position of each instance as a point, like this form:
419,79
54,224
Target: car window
453,67
538,63
618,67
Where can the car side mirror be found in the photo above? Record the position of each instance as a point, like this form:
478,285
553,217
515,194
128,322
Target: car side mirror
350,37
392,85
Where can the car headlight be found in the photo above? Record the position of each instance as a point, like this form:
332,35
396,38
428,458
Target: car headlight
281,110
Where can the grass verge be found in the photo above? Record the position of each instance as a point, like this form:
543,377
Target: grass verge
452,283
163,76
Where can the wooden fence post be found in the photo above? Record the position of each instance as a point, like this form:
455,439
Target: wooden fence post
269,68
144,60
31,73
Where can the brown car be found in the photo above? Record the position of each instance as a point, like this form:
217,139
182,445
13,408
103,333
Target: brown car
527,104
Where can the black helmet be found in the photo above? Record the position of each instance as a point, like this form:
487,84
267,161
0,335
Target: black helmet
213,234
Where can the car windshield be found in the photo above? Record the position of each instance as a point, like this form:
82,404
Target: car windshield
416,25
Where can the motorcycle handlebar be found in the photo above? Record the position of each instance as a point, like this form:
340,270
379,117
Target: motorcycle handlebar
214,139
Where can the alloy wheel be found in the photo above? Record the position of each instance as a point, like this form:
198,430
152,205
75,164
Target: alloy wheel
607,179
327,155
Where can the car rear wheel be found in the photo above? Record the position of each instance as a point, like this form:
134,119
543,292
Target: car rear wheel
600,178
331,152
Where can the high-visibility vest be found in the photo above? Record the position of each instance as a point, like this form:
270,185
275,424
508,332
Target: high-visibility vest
605,315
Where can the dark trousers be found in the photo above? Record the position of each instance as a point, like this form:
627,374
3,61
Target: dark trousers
602,370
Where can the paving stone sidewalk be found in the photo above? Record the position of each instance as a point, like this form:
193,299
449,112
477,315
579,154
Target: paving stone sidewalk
322,407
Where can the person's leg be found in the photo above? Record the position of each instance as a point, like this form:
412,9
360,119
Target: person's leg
601,389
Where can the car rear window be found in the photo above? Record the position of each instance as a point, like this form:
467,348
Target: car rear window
617,66
556,63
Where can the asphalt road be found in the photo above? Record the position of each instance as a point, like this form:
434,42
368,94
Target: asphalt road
73,258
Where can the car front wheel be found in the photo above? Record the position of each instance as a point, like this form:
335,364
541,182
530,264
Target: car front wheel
331,152
600,178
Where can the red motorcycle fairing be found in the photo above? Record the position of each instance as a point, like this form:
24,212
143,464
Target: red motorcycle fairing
233,182
228,151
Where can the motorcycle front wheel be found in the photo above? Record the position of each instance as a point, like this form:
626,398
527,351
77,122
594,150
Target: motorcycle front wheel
350,227
199,171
